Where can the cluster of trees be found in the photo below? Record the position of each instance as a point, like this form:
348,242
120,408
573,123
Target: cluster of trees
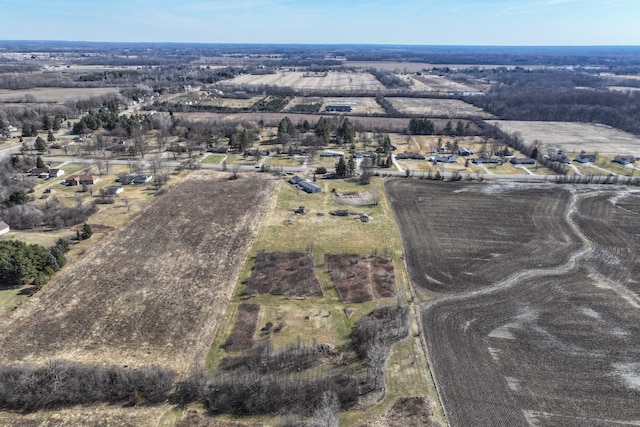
58,383
421,127
388,79
109,119
15,196
560,96
21,263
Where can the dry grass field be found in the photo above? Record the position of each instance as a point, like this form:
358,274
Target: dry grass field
574,137
431,107
152,291
311,81
439,84
554,338
56,95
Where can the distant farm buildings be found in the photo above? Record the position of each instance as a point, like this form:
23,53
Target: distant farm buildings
304,185
522,161
338,108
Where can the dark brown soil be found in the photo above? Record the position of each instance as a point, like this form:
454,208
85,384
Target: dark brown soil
360,278
284,273
461,236
241,337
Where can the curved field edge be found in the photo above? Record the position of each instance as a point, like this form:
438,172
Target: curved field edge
548,344
460,236
152,292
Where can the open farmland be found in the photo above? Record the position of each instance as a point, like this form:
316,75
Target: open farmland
432,107
309,81
574,137
554,338
151,292
54,95
439,84
462,236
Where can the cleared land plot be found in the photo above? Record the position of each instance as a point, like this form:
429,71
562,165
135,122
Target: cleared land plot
439,84
151,292
311,81
431,107
284,273
361,278
359,105
241,337
574,137
465,236
57,95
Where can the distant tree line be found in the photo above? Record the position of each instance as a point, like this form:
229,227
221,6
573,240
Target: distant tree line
559,96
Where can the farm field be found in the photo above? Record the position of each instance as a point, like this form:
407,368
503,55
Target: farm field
152,291
454,248
311,81
553,341
574,137
439,84
55,95
359,105
431,107
289,242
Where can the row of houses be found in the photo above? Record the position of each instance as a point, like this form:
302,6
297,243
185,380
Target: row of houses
46,173
304,185
81,180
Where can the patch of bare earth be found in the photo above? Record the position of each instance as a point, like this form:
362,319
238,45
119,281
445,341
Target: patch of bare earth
406,411
241,337
152,292
284,273
354,198
360,278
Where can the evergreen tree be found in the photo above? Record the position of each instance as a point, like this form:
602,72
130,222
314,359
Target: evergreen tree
534,153
40,163
351,166
86,232
341,167
40,145
50,136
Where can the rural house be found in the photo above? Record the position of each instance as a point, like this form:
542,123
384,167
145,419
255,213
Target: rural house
55,173
294,180
522,161
586,158
40,172
624,160
82,180
333,153
113,190
464,151
4,228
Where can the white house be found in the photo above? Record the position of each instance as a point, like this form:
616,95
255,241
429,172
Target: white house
4,228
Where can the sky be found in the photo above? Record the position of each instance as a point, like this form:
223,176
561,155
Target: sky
405,22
